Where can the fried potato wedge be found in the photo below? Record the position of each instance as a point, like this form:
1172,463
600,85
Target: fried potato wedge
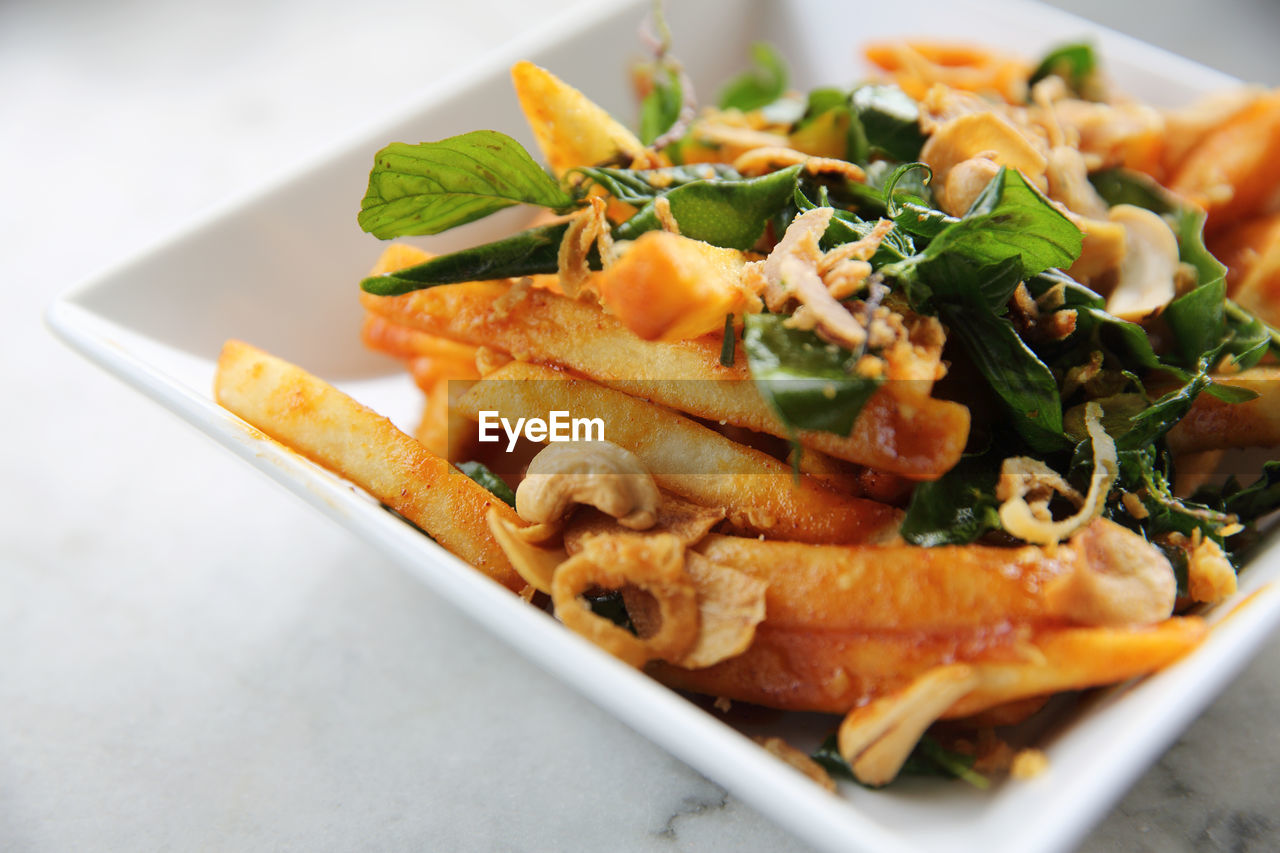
757,491
331,429
947,588
571,129
834,671
1234,172
1251,252
1216,425
899,430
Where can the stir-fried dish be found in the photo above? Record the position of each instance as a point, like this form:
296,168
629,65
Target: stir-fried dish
900,402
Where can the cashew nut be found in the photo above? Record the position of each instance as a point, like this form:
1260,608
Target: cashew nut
986,134
597,473
966,181
1150,263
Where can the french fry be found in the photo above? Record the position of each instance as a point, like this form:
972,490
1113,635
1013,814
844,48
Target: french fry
1215,425
1251,252
571,130
668,287
833,671
1235,170
326,426
907,588
688,459
398,256
917,65
895,587
381,334
898,431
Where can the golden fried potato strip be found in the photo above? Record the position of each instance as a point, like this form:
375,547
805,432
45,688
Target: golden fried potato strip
950,587
834,671
1216,425
571,129
757,491
326,426
899,431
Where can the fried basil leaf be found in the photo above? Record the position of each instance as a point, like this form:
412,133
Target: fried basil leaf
807,382
434,186
480,472
761,85
958,507
1011,218
1076,64
890,121
731,214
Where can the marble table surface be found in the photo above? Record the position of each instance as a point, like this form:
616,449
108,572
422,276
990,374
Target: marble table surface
192,659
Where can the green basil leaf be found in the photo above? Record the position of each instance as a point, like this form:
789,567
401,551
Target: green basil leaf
927,758
1020,380
807,382
1230,393
763,84
952,278
434,186
638,186
956,508
479,472
822,100
828,756
1249,339
527,253
1198,320
610,605
1011,218
890,120
923,221
1125,186
1076,64
1161,416
731,214
1074,294
660,108
1258,499
1128,338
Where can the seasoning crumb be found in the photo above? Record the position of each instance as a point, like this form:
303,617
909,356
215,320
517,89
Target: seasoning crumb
1028,764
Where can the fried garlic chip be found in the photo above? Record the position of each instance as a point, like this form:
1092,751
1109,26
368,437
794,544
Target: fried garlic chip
687,521
780,749
730,606
877,738
652,565
535,564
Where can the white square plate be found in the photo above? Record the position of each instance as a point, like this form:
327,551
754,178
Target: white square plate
280,270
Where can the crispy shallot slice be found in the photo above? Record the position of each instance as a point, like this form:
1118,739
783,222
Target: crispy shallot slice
653,565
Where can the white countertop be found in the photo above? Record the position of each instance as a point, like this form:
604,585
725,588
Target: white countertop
192,659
